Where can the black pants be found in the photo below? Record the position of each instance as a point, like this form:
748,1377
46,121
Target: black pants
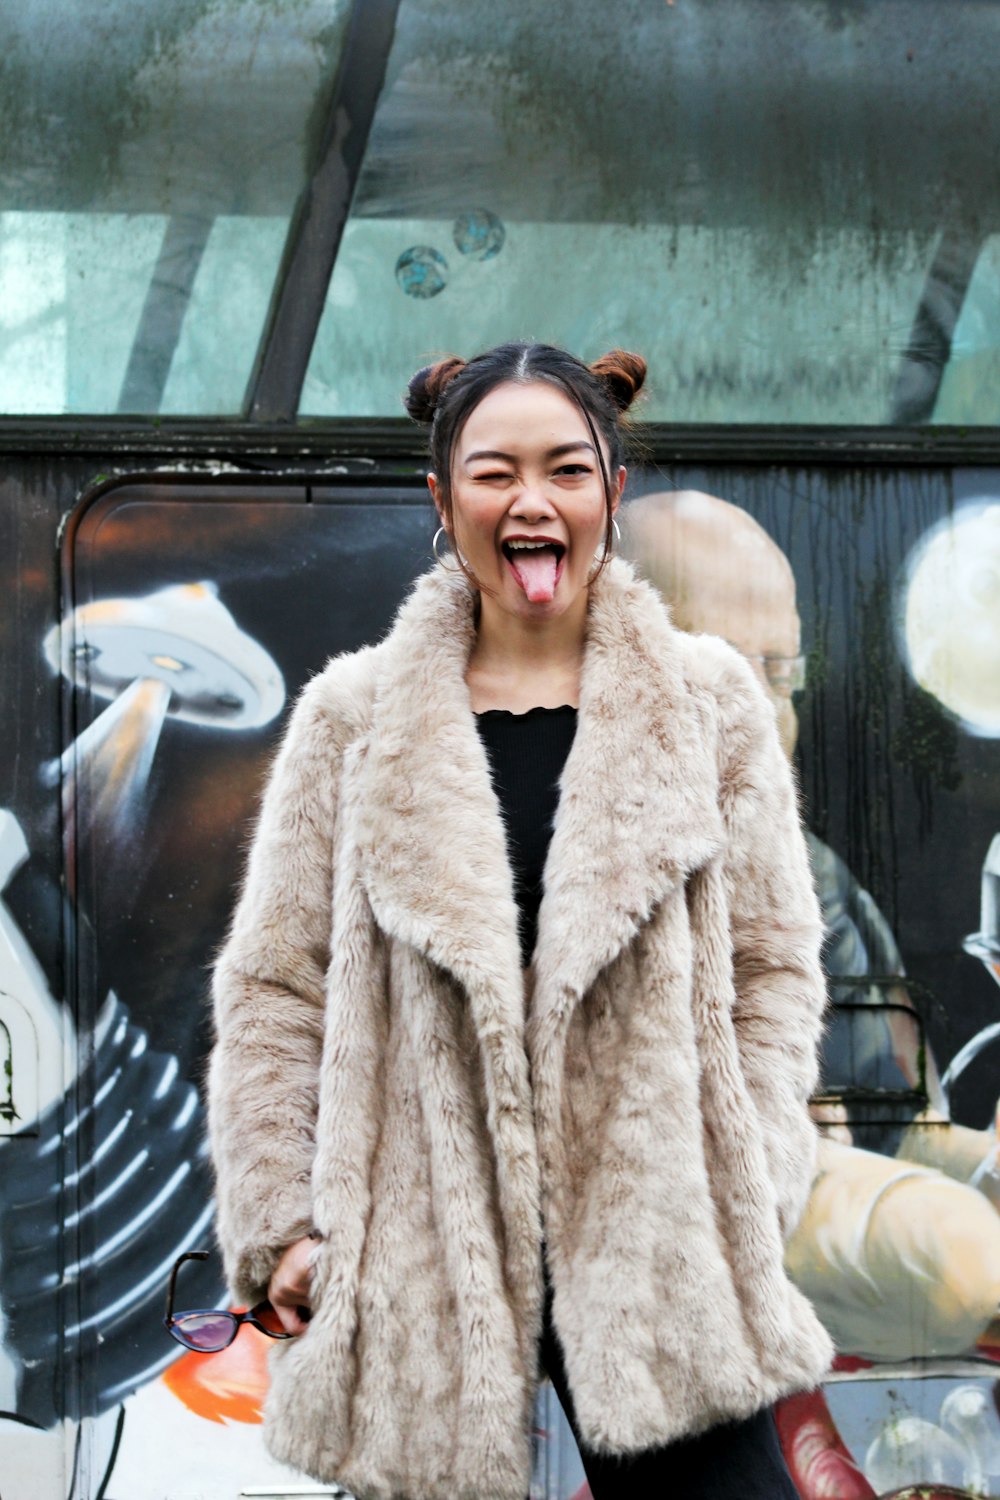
735,1461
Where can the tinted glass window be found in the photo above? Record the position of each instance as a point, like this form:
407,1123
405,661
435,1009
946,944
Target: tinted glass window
153,152
789,208
786,207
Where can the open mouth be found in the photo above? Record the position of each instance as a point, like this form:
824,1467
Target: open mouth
536,564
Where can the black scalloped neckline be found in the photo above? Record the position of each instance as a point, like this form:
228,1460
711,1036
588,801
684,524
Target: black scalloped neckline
508,713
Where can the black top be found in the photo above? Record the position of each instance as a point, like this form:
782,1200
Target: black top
527,753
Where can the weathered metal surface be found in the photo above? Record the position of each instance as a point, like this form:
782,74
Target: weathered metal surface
129,874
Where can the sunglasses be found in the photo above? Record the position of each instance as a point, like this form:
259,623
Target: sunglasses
206,1332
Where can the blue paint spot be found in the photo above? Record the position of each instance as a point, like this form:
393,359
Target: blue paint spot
422,271
479,233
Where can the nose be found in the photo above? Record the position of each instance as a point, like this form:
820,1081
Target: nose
532,503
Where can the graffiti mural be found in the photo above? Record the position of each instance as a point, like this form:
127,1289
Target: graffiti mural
194,613
124,1126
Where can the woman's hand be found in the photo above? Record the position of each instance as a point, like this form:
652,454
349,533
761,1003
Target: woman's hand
288,1290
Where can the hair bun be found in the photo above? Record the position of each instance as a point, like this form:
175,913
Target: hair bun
425,390
623,374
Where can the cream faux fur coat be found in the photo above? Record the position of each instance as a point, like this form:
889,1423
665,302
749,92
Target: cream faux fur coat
385,1072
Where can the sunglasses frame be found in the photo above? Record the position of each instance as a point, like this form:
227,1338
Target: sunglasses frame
253,1316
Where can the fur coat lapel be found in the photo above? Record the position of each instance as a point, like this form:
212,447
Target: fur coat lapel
638,805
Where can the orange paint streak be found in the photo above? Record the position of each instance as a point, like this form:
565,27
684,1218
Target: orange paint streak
226,1387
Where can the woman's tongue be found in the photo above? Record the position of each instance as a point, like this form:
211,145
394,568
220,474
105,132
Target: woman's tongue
535,570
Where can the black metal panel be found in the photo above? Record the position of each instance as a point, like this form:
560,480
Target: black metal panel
386,446
318,222
184,239
929,349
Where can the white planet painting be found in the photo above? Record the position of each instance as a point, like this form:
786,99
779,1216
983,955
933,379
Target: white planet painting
951,615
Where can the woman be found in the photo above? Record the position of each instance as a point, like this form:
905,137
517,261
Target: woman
461,1125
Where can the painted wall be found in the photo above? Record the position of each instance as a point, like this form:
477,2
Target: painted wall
146,687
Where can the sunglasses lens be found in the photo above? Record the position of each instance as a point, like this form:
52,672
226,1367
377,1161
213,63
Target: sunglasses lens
205,1331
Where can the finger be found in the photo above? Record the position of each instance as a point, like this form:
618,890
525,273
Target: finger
291,1293
289,1290
289,1287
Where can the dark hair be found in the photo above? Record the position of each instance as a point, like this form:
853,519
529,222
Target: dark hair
445,394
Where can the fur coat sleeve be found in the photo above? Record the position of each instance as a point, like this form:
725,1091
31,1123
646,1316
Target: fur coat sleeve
776,926
270,998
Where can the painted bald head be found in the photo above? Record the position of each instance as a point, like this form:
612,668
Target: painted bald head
721,574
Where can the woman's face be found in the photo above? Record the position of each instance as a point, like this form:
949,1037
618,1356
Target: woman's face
527,499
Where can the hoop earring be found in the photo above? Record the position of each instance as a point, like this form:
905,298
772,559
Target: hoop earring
448,567
601,557
616,533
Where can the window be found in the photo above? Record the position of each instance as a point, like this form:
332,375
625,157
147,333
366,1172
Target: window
780,205
153,154
789,208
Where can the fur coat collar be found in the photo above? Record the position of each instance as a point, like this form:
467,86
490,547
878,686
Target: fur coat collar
637,803
641,1092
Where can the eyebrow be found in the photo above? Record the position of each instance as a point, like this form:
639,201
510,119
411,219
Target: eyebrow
556,452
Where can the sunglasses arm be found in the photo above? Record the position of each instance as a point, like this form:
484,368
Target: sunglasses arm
190,1255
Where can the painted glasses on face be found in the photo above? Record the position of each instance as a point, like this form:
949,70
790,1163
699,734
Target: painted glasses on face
785,675
208,1331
